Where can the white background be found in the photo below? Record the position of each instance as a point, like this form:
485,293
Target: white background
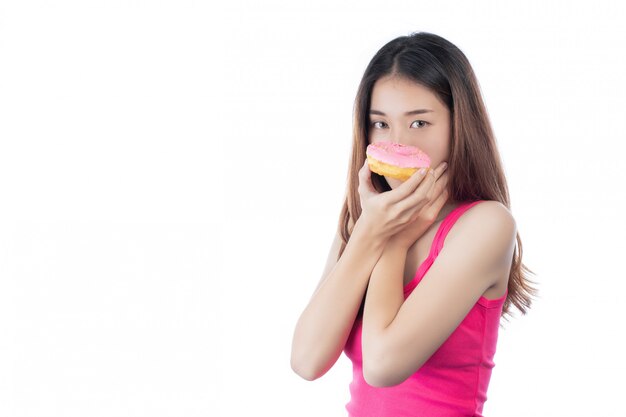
171,174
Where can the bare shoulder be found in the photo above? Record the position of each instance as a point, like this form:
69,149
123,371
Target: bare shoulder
489,229
489,217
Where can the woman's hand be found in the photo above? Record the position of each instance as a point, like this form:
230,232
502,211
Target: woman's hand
403,214
437,198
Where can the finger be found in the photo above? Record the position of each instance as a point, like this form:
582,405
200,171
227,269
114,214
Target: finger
419,198
441,168
441,200
437,202
365,180
433,209
435,185
364,166
426,191
443,179
408,187
363,170
439,186
432,187
441,191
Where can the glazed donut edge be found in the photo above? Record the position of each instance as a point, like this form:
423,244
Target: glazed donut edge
389,170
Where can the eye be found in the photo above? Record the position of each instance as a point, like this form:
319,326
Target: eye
421,121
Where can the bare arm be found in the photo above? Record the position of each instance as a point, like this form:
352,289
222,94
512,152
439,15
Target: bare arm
331,261
399,336
324,326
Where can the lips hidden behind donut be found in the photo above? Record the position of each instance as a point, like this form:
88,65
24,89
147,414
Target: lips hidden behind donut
395,160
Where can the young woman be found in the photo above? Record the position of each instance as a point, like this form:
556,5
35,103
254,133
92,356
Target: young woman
420,272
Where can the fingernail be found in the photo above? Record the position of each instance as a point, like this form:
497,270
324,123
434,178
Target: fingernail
422,171
445,165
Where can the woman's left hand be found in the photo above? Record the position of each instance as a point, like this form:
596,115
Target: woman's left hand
438,196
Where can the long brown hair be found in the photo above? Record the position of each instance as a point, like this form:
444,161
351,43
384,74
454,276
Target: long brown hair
474,164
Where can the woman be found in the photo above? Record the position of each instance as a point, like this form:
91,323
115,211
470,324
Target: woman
418,319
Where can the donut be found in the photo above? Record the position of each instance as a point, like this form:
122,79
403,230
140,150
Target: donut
395,160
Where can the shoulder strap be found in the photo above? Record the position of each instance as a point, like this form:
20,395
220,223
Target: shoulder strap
437,244
446,225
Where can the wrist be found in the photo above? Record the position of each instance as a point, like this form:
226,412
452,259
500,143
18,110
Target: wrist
394,244
364,230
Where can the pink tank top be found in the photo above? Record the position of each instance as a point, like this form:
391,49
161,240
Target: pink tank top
453,381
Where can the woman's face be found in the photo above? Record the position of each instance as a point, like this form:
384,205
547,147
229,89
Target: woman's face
427,125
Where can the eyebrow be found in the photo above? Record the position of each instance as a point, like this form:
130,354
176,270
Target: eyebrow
409,113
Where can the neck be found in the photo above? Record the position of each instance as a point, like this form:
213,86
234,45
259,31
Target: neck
446,209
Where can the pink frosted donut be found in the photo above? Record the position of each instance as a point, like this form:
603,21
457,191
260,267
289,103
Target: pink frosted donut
395,160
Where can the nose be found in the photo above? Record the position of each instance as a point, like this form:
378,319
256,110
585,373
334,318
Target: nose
395,137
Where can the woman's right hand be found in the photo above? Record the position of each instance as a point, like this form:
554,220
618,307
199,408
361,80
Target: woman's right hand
385,214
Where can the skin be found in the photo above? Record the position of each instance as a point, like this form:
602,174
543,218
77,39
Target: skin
400,335
390,239
428,131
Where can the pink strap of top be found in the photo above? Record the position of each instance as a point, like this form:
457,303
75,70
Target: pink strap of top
437,244
447,224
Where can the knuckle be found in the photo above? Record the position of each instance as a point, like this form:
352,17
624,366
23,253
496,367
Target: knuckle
421,193
430,217
395,213
404,218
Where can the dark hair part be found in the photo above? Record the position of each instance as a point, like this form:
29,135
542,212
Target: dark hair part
474,164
